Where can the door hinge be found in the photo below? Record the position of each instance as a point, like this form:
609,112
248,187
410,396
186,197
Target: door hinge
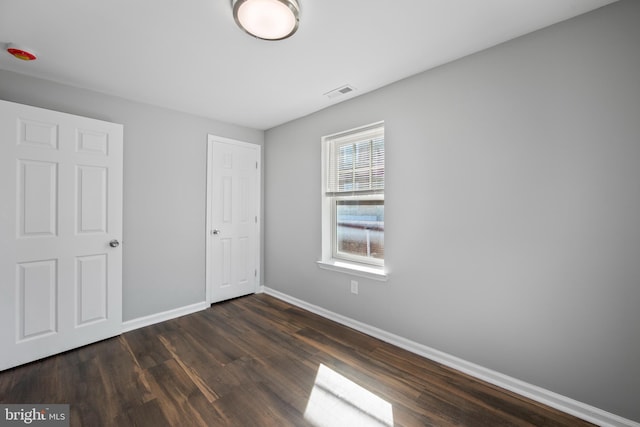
256,219
255,273
256,165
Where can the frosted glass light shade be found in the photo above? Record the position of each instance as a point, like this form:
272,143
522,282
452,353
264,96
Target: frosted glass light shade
267,19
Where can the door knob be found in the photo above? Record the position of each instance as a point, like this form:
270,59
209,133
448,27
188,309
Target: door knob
114,243
216,232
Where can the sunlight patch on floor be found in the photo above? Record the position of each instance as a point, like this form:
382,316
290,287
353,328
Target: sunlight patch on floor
338,401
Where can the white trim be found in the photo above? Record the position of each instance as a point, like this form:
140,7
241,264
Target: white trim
208,274
152,319
538,394
366,130
368,271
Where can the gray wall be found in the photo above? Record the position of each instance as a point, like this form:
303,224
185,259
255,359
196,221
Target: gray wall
512,209
164,189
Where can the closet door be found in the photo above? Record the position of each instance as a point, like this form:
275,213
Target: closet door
233,241
60,227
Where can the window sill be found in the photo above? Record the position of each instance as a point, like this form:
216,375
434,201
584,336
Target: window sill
370,272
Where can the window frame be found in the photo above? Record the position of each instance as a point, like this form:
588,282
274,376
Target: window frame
357,265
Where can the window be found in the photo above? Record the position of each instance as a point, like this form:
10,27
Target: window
353,198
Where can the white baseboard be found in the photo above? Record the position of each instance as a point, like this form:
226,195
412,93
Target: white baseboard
547,397
141,322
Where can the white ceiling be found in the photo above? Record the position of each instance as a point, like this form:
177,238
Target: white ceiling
188,55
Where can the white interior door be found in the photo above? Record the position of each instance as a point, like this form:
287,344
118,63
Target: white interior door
61,197
233,225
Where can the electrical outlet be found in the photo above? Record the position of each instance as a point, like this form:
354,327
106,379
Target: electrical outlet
354,287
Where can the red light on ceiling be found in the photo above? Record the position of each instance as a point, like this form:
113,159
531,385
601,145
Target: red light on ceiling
22,54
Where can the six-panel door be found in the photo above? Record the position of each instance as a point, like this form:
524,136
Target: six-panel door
61,196
234,232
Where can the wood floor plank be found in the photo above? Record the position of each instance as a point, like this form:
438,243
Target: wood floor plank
175,392
263,409
145,347
147,414
290,377
259,361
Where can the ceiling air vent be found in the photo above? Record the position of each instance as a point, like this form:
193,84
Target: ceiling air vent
342,90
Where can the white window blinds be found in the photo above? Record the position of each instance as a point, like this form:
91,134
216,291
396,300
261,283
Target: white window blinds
355,162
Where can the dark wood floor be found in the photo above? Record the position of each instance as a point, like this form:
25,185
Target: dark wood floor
258,361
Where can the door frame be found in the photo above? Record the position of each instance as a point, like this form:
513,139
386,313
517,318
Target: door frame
211,139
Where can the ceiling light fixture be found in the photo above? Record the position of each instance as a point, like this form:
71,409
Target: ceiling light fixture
267,19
